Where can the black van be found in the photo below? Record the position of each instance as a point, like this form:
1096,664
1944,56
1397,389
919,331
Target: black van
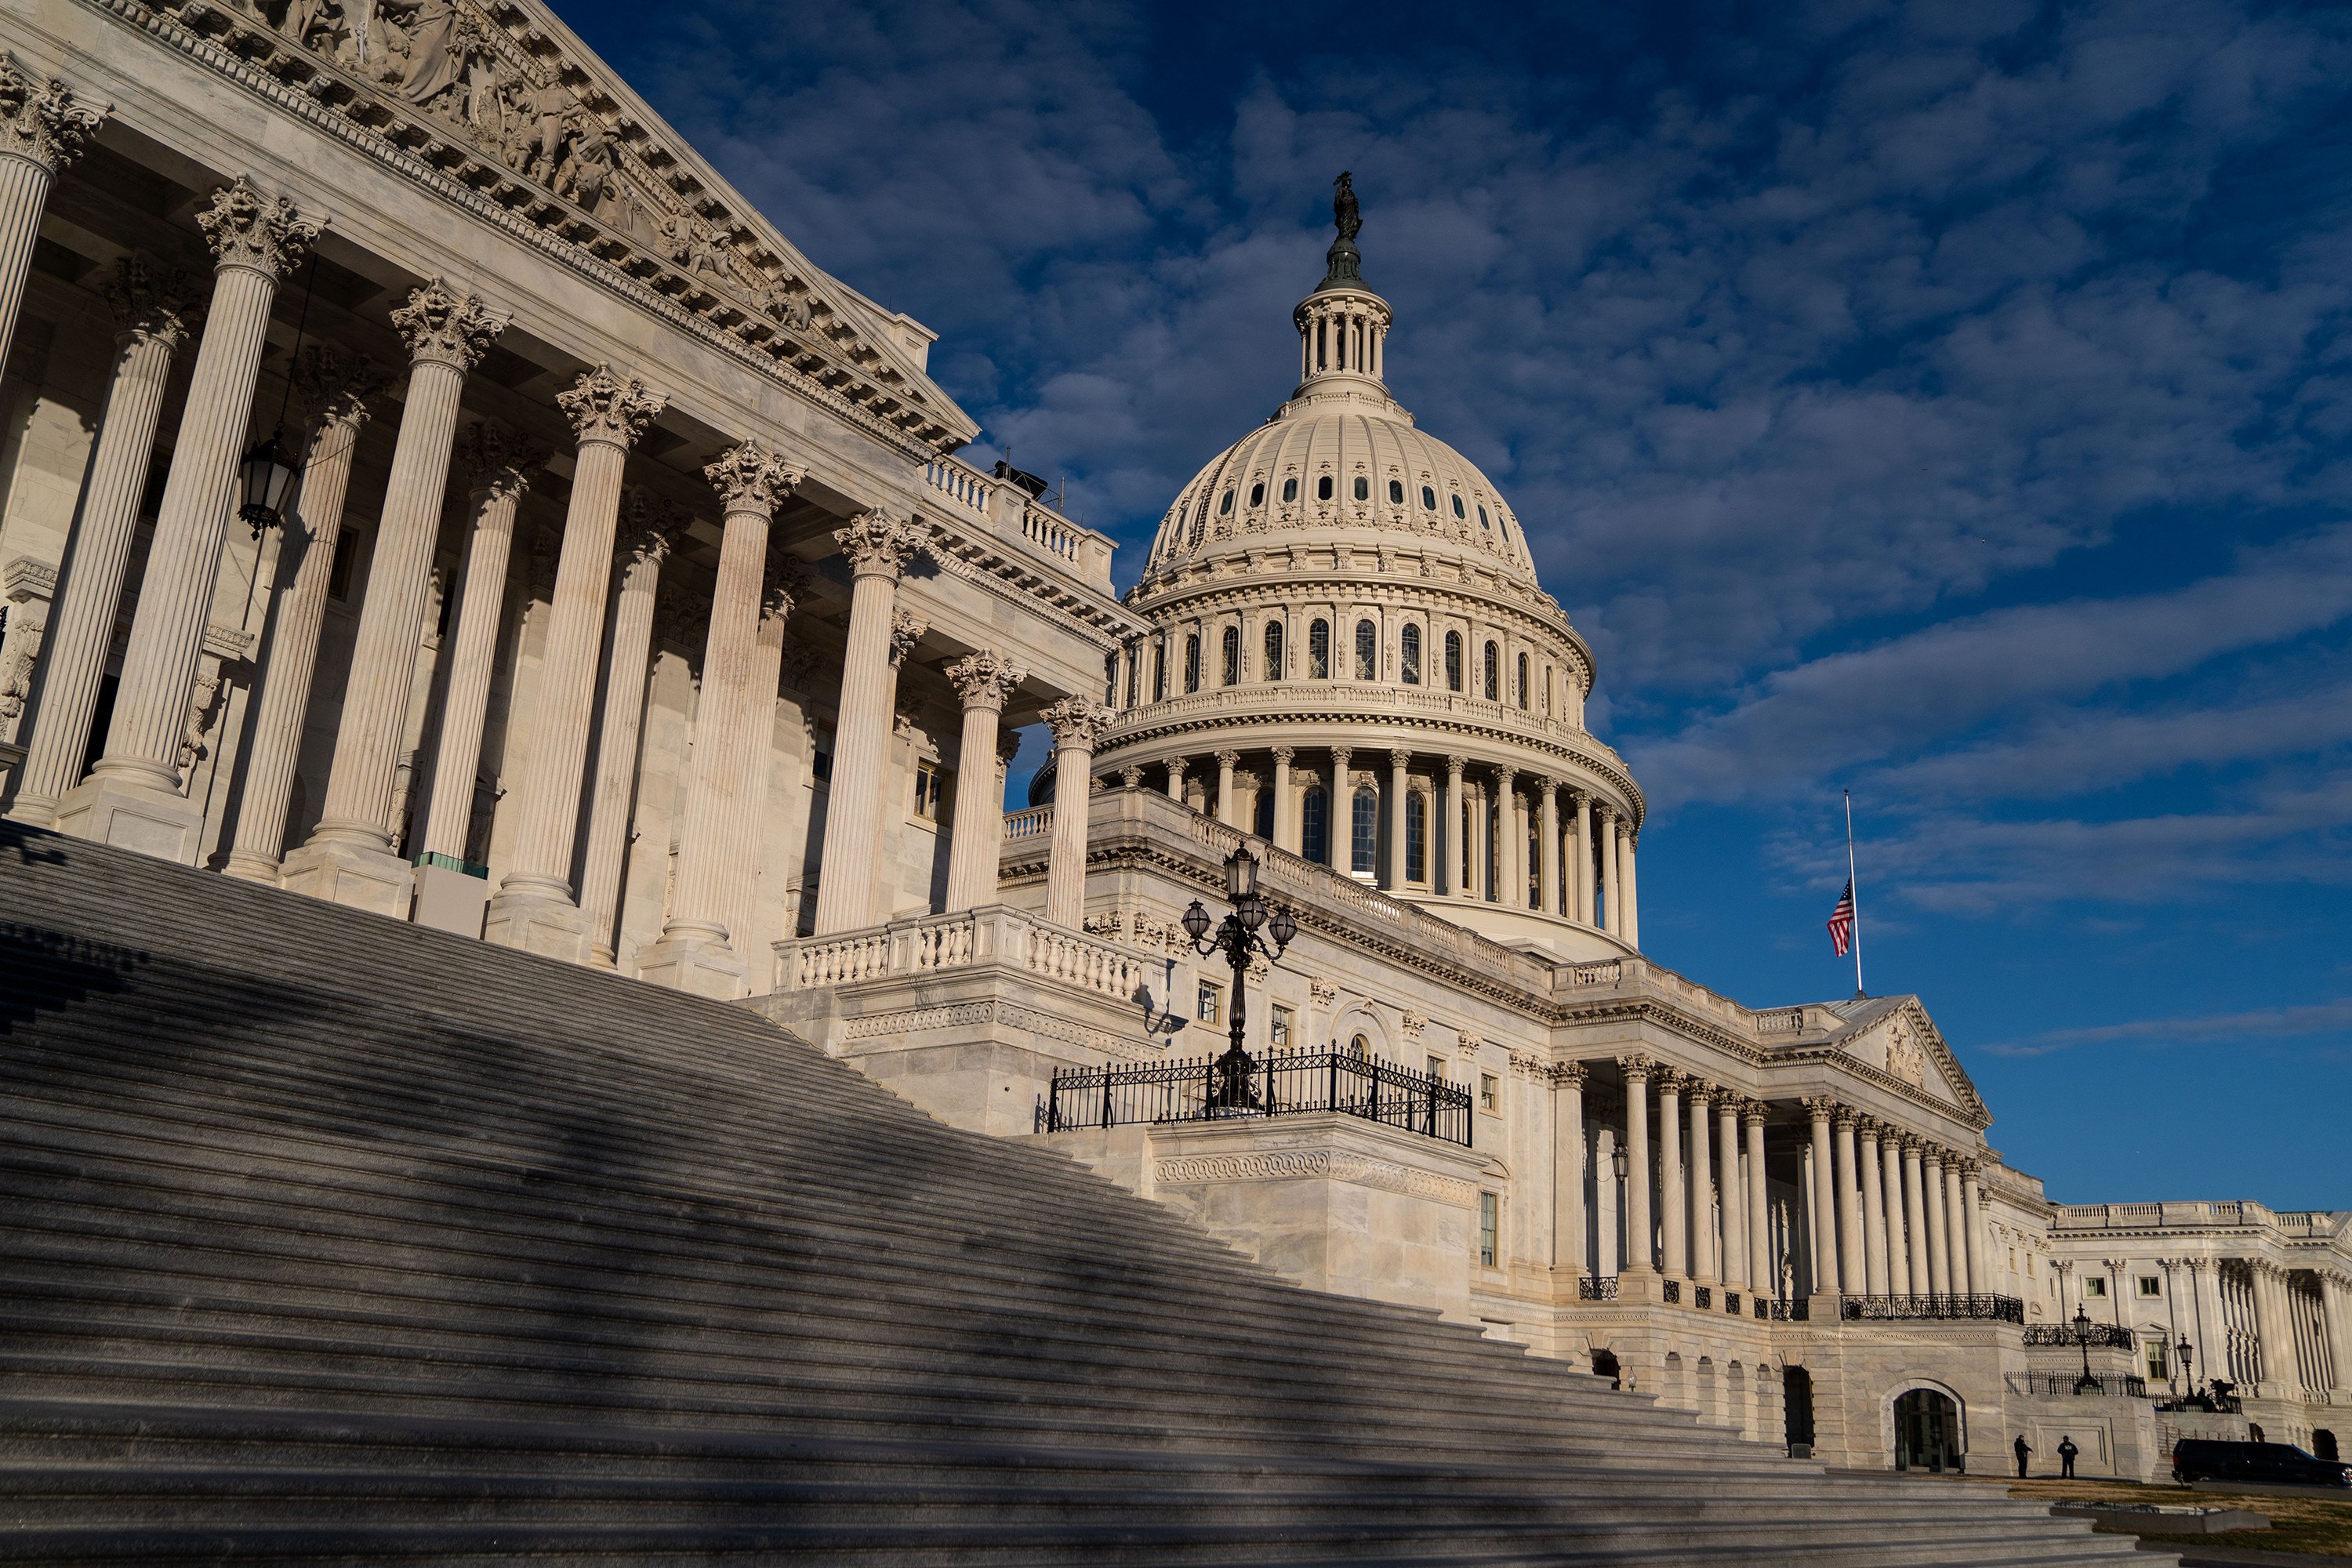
2280,1464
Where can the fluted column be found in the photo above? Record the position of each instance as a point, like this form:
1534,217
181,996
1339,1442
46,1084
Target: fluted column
1228,804
133,798
1568,1167
878,547
1939,1275
1702,1186
783,584
694,952
153,310
1629,927
1853,1278
1400,780
2277,1346
1285,811
1734,1199
1584,885
1873,1210
499,467
43,127
1457,854
2336,1308
1825,1231
336,390
1511,849
1343,811
349,858
985,681
1955,1236
1672,1242
653,532
1613,910
535,908
1078,723
1760,1275
1638,1242
1915,1219
1898,1251
1549,901
1979,1256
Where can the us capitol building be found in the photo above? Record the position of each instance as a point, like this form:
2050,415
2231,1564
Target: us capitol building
425,484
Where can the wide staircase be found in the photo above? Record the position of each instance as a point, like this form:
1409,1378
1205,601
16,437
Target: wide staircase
330,1239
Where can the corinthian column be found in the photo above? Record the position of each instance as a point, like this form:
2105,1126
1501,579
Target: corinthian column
1734,1201
1584,906
694,952
1672,1242
1568,1167
1400,783
1228,804
652,530
983,681
133,798
534,906
1511,845
336,390
878,547
1638,1240
1825,1272
1613,912
1629,927
1078,723
1457,849
1285,811
451,890
1915,1219
1898,1250
1851,1277
783,584
1702,1186
42,129
1940,1277
1549,899
1874,1209
1752,1115
349,857
153,310
1972,1236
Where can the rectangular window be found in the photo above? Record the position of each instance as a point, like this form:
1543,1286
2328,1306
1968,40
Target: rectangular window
1490,1214
2095,1287
2150,1285
1208,1010
821,764
1436,1065
1319,651
1278,1030
1364,832
1416,838
1490,1093
2157,1365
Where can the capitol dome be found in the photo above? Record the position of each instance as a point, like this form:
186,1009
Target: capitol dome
1353,659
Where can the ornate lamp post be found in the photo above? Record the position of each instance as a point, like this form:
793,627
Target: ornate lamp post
1237,938
2086,1382
2182,1352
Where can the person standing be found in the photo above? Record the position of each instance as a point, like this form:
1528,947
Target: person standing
2023,1449
2067,1452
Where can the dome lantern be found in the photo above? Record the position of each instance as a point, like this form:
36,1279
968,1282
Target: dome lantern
1343,326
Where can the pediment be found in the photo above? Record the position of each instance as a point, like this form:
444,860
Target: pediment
524,111
1904,1043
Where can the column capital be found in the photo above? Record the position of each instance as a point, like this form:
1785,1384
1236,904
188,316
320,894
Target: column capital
1131,777
1698,1090
1821,1107
1284,754
1569,1075
1668,1080
1505,776
151,300
907,629
1548,787
609,409
1932,1153
877,544
1454,764
1754,1112
334,385
1227,757
441,326
1867,1129
751,479
1845,1116
1176,766
986,679
41,122
649,528
1400,756
2194,1265
1339,757
1635,1067
497,461
259,233
1077,722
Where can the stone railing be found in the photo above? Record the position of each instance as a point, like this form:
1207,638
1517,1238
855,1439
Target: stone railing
985,503
934,943
1030,822
2141,1216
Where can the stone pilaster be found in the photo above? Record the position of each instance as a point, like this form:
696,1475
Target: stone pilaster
652,530
1639,1241
134,797
878,547
1873,1209
335,388
43,127
350,856
534,909
1567,1168
1734,1199
695,951
983,682
1851,1275
1078,723
153,310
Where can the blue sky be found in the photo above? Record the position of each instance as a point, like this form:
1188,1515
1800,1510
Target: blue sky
1951,402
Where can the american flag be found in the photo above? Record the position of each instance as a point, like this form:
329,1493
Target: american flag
1842,921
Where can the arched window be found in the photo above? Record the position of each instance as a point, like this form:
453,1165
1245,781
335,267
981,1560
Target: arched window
1363,487
1290,489
1323,487
1192,662
1409,655
1158,673
1315,825
1225,507
1493,673
1257,493
1274,650
1482,518
1396,492
1523,683
1416,838
1364,831
1319,651
1361,1048
1453,661
1457,505
1428,499
1230,651
1367,651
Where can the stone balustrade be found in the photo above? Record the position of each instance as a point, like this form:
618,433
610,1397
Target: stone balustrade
1008,511
1033,822
930,944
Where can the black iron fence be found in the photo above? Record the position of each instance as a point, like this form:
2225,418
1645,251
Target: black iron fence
1798,1310
1588,1288
1278,1083
2052,1385
2101,1334
1913,1308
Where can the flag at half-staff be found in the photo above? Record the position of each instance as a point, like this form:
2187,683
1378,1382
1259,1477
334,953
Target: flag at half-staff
1842,922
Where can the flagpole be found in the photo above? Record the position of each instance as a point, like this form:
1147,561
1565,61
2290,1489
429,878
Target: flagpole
1856,887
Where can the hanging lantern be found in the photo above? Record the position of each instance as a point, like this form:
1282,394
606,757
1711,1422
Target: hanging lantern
265,481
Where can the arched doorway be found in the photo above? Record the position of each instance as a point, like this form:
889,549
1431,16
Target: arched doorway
2323,1444
1604,1365
1797,1407
1927,1432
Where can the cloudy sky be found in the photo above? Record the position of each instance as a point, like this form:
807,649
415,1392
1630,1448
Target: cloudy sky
1950,403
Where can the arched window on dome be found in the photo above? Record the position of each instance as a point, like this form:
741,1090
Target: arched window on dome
1200,525
1409,655
1493,673
1364,831
1416,837
1482,518
1225,507
1229,649
1323,487
1428,499
1457,506
1523,683
1367,651
1396,492
1192,662
1363,487
1274,650
1315,825
1290,489
1319,649
1257,493
1453,661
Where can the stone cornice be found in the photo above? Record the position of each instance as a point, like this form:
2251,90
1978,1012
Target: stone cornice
1023,583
